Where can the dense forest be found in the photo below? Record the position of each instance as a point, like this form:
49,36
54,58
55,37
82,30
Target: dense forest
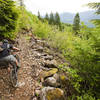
79,44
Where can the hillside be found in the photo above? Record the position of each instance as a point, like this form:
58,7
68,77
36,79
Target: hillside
37,65
84,16
59,61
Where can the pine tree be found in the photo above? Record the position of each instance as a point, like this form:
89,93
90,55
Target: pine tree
39,16
96,6
21,3
51,20
47,17
57,19
76,23
8,17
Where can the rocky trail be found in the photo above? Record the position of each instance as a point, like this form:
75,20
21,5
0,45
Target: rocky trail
37,76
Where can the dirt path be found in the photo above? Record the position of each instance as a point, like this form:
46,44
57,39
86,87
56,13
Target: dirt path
35,55
25,75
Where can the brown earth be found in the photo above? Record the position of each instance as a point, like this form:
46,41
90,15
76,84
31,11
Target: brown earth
32,59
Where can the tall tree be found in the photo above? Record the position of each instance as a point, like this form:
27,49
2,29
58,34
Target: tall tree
51,21
76,23
39,16
95,6
47,17
21,3
57,19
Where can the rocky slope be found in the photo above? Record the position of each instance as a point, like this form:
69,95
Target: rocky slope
38,76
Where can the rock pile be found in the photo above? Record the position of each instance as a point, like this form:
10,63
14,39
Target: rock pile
39,72
48,76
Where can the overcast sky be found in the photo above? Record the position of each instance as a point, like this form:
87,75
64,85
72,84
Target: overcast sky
60,6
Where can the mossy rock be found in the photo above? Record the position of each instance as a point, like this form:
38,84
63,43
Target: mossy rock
55,94
51,81
51,93
51,72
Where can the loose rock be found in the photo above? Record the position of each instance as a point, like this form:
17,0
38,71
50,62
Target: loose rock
51,81
50,64
45,74
51,93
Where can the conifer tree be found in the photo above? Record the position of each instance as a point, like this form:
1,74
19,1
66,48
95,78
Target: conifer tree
21,2
8,17
47,17
76,23
51,20
39,16
57,19
96,6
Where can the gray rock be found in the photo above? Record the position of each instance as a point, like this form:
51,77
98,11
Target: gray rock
40,49
56,76
51,81
37,92
50,64
37,48
51,93
48,57
34,98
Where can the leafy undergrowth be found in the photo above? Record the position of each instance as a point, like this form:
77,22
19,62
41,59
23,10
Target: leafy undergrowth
81,50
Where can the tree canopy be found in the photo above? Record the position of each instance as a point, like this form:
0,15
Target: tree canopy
8,17
76,23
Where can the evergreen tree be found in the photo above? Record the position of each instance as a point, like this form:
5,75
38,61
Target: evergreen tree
47,17
39,16
76,23
57,19
96,6
8,17
51,20
21,3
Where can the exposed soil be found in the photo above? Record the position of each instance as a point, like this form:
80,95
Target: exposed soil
31,66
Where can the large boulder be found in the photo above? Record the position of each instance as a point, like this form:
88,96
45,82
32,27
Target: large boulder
51,93
50,64
51,81
45,74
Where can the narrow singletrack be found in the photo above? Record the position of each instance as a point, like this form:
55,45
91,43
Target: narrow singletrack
27,83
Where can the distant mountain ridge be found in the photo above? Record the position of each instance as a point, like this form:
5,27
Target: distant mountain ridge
84,16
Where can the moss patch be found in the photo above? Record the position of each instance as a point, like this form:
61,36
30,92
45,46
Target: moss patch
54,94
48,73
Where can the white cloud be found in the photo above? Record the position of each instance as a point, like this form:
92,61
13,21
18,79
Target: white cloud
57,5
